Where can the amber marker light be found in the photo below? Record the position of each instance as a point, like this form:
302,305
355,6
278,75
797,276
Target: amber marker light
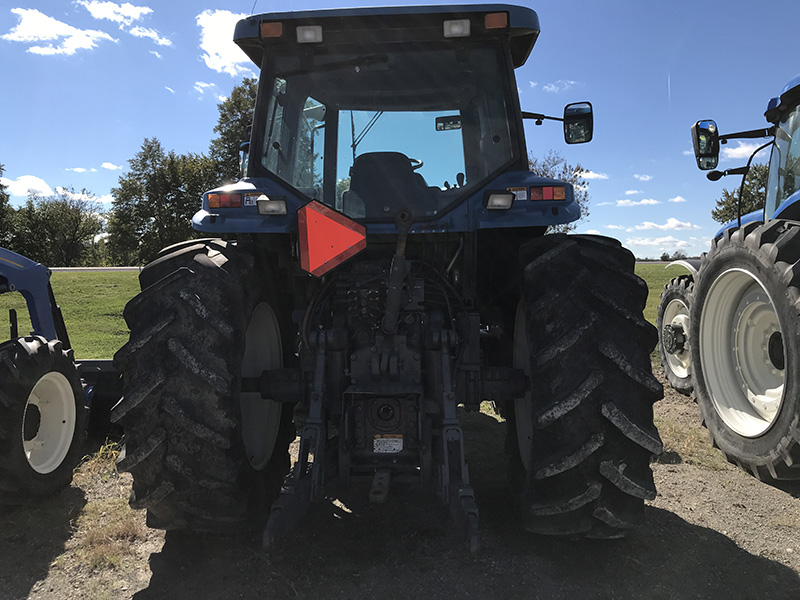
496,20
271,30
224,200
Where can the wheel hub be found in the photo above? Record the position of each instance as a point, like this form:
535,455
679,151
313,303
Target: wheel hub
674,338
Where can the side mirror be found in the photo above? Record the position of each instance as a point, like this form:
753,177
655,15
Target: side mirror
244,154
705,139
578,123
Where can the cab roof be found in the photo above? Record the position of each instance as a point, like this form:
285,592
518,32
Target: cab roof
394,23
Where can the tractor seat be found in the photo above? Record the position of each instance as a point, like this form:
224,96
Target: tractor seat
381,183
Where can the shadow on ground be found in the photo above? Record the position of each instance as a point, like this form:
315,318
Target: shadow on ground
409,548
32,537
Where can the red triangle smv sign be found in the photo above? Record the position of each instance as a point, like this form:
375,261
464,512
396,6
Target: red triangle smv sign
327,238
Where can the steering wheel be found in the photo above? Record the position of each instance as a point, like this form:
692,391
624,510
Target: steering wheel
415,163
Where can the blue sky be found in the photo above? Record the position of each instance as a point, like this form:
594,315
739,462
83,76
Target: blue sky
84,82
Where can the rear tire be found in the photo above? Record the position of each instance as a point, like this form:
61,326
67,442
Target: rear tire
746,347
42,418
672,322
585,468
203,321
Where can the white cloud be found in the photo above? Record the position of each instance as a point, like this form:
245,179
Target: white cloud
216,41
26,184
620,227
77,170
124,14
592,175
146,32
645,202
688,152
677,199
156,54
743,150
562,85
35,27
672,223
668,242
169,89
533,84
592,232
110,166
605,204
643,177
202,87
632,192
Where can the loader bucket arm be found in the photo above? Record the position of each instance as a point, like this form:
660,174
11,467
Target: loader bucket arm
32,280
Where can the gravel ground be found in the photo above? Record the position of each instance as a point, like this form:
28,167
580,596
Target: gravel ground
712,532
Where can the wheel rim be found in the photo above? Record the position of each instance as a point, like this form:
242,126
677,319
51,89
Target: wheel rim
741,347
523,407
48,424
260,416
676,313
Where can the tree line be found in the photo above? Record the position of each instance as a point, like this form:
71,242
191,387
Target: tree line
152,205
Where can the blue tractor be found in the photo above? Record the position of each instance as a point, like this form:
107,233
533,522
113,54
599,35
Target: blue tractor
730,330
383,262
42,410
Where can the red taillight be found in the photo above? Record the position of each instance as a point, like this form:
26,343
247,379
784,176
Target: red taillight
224,200
548,192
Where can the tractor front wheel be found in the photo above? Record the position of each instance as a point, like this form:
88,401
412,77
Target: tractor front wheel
672,322
42,418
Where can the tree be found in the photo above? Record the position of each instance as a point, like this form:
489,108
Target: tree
235,118
6,212
555,166
58,230
155,201
753,194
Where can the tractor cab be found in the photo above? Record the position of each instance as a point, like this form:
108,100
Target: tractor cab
370,111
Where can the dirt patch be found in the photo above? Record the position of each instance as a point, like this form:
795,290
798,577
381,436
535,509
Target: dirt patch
712,532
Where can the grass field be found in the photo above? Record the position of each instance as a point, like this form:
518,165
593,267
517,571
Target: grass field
92,304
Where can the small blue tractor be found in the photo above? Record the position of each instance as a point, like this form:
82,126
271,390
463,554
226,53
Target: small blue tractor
730,330
44,394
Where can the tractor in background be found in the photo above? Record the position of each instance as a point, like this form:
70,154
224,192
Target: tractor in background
730,329
45,396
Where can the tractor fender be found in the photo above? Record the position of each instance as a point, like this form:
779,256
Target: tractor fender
690,264
32,280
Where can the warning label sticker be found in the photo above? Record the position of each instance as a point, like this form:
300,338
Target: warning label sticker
520,193
387,443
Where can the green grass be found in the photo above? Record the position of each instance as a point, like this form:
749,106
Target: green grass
656,277
91,303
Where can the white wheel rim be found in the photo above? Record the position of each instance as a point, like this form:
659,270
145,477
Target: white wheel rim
53,400
677,313
260,416
523,407
738,320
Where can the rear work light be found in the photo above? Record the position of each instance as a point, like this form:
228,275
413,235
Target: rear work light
499,200
549,192
224,200
309,34
270,207
456,28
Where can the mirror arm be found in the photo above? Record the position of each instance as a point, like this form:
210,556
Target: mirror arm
754,133
539,117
